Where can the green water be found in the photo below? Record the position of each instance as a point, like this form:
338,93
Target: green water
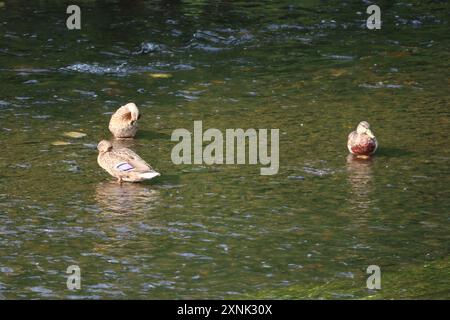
308,68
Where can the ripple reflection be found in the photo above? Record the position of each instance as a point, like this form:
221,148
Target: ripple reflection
125,199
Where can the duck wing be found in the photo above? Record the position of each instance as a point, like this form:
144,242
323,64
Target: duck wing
351,140
128,160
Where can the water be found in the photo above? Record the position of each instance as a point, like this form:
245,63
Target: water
308,68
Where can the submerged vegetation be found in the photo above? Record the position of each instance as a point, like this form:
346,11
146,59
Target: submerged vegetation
428,281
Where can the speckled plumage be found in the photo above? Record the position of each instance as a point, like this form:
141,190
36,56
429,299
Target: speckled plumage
123,123
362,142
124,164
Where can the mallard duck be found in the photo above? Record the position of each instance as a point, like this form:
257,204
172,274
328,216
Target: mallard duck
123,123
362,142
123,164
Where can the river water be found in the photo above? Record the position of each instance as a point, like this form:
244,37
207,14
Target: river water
308,68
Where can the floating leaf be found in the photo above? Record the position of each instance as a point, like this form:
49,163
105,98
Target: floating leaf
338,72
398,54
74,134
160,75
60,143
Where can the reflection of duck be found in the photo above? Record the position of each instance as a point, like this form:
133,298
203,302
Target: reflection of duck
360,178
362,142
124,164
123,123
125,200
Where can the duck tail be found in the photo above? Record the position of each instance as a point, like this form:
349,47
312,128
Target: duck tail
149,175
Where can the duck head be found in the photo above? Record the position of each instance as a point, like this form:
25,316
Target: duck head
104,146
364,128
134,112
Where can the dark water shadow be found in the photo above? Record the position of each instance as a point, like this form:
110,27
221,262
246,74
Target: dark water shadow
393,152
151,135
162,180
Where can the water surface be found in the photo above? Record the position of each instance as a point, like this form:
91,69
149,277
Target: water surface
309,68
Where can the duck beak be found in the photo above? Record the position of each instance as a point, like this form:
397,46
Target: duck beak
370,134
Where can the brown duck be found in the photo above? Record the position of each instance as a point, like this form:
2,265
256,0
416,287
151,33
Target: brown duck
123,164
362,142
123,123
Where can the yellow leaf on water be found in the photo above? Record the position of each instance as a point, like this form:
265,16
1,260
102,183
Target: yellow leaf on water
160,75
60,143
398,54
338,72
74,134
2,4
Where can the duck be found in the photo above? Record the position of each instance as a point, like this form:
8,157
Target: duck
124,122
362,142
123,163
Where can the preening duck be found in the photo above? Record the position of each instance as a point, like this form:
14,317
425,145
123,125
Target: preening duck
123,164
123,123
